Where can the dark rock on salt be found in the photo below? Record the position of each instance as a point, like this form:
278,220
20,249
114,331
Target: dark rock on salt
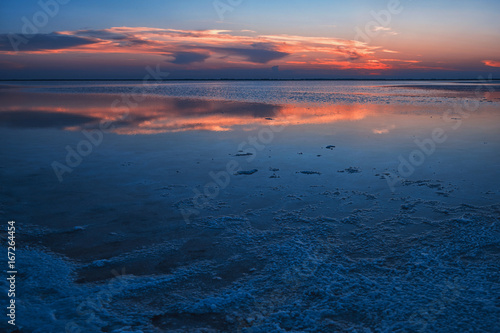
310,172
246,172
351,170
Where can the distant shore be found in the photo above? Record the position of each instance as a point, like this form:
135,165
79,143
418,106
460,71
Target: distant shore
346,79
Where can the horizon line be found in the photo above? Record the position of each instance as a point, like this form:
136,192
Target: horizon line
291,79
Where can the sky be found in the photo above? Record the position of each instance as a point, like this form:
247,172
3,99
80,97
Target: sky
249,39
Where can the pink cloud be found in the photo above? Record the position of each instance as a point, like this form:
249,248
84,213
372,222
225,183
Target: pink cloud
195,49
491,63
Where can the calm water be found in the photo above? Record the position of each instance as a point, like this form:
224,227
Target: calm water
254,205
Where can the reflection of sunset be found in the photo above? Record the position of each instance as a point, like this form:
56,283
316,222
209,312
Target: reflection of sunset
165,114
289,115
159,114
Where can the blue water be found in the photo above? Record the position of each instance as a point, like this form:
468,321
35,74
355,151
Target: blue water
374,206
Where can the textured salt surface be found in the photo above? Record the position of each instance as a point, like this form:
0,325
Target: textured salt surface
303,273
290,92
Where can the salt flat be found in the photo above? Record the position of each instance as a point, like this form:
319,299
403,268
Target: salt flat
254,206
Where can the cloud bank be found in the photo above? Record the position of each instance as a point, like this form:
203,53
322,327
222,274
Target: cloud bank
211,53
208,49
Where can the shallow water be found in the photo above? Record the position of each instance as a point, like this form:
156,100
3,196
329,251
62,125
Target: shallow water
375,205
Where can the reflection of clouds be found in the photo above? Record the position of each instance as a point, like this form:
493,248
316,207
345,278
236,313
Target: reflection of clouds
383,130
158,115
42,119
165,114
209,116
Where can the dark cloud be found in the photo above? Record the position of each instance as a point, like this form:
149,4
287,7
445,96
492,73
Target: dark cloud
40,42
121,39
102,34
260,56
349,53
264,46
186,58
177,33
353,55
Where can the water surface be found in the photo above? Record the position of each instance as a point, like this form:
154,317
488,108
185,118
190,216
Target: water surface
244,205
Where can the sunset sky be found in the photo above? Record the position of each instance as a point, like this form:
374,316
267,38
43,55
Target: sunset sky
250,38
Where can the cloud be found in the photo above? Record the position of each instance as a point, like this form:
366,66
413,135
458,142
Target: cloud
104,34
491,63
122,39
387,30
389,51
260,56
381,28
350,54
40,42
212,49
186,58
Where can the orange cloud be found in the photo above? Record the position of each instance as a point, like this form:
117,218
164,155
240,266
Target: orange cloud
218,48
491,63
